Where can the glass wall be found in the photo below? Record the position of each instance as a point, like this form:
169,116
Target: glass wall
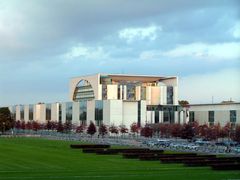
98,112
60,112
21,112
83,91
131,91
143,93
13,113
233,116
211,117
69,112
156,119
83,112
191,116
30,112
169,95
48,112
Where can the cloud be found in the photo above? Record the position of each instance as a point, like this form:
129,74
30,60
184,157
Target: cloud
235,31
200,88
86,52
211,52
139,33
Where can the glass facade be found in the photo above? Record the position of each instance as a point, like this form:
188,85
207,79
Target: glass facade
191,116
13,113
233,116
60,112
21,112
69,112
156,118
211,117
98,112
131,91
169,95
83,112
143,93
48,112
83,91
30,112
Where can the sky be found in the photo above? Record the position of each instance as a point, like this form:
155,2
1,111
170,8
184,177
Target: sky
44,43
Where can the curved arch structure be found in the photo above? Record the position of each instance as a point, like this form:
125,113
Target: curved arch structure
83,91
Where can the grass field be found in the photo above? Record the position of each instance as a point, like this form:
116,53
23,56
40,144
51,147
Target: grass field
32,158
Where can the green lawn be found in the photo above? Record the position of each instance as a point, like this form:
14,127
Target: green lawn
36,159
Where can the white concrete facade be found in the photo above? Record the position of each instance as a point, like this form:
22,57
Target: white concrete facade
222,113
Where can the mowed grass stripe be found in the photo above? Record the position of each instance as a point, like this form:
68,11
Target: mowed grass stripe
35,158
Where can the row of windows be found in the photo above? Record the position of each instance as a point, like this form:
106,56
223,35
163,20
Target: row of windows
211,116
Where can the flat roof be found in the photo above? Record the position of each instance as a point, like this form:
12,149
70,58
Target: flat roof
132,77
230,103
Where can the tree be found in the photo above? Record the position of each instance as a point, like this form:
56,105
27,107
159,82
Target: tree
91,129
164,129
147,131
102,130
29,125
6,120
225,131
60,127
17,124
187,131
183,103
36,126
176,130
113,129
23,125
237,134
67,126
134,128
80,129
203,130
123,129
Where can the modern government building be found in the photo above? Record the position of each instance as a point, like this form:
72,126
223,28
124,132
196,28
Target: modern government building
120,99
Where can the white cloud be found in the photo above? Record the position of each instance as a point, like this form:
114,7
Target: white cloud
200,88
139,33
235,31
86,52
211,52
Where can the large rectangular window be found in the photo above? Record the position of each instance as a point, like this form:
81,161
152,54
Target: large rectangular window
48,112
211,117
21,112
169,95
156,119
191,116
139,113
143,93
166,117
68,111
60,112
13,113
30,112
131,92
233,116
83,112
98,112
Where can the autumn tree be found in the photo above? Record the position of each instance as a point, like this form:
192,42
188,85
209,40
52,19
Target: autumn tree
36,126
91,129
187,131
134,128
102,130
60,127
123,129
80,129
147,131
237,134
176,130
113,129
67,126
17,124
